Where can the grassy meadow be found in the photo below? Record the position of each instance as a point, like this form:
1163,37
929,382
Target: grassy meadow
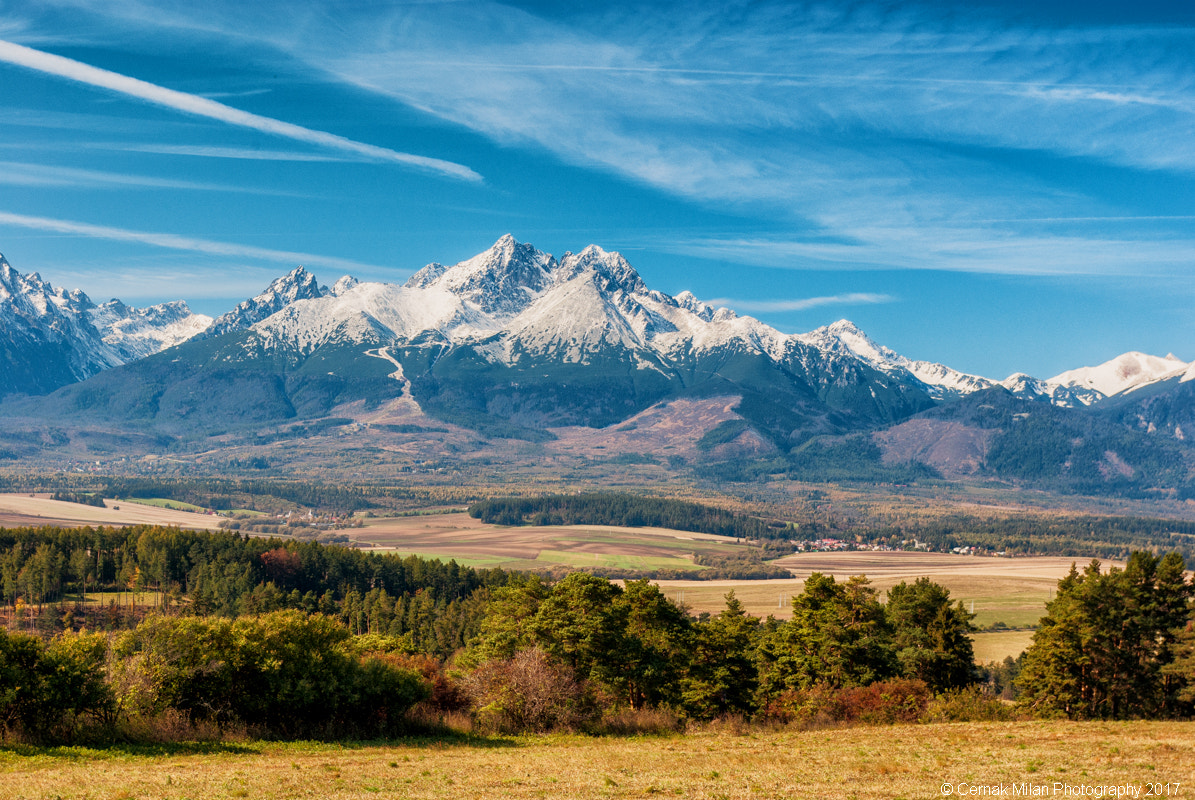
912,761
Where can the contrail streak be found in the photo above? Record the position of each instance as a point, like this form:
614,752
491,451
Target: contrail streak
201,106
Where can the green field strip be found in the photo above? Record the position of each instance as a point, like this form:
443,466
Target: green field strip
615,561
163,502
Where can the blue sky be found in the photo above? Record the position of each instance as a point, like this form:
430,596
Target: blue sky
997,186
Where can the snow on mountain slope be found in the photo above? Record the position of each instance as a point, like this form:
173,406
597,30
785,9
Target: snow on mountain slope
503,280
940,381
574,321
50,337
298,284
1121,374
139,332
402,312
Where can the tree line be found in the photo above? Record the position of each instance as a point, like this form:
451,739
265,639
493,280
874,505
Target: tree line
293,639
226,574
556,654
1023,534
227,493
627,510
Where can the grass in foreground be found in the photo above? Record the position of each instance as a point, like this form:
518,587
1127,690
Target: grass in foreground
881,762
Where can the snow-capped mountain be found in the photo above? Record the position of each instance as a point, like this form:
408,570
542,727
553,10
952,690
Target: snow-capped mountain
1122,374
135,333
513,301
1079,387
298,284
1063,396
940,381
50,337
517,334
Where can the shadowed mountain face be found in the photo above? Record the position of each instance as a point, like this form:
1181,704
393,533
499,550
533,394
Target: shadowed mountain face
50,337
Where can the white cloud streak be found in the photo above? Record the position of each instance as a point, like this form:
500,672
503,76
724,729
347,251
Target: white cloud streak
897,136
805,303
15,173
69,69
175,242
215,151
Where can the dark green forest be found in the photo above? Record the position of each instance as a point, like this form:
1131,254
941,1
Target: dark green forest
611,508
112,633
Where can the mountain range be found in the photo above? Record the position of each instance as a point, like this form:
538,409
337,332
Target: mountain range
515,343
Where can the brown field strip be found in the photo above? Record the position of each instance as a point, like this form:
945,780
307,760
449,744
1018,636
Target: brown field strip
17,510
464,538
912,761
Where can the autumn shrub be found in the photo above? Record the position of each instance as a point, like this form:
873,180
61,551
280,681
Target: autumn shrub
527,693
285,674
968,705
886,702
879,703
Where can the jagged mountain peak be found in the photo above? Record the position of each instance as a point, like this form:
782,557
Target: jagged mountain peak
298,284
845,336
615,271
135,333
346,283
500,280
688,301
426,276
50,337
940,381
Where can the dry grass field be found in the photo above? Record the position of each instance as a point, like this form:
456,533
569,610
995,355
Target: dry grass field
995,645
470,541
914,761
1009,590
21,509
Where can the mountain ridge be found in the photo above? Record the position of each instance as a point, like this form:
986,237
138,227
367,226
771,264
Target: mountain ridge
515,344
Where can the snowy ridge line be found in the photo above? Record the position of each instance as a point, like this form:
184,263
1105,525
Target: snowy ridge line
509,303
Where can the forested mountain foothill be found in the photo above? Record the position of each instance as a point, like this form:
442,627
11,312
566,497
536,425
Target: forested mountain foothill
286,638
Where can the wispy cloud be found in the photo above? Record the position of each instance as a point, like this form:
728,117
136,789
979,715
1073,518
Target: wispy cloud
215,151
15,173
175,242
957,250
804,303
885,133
865,134
201,106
